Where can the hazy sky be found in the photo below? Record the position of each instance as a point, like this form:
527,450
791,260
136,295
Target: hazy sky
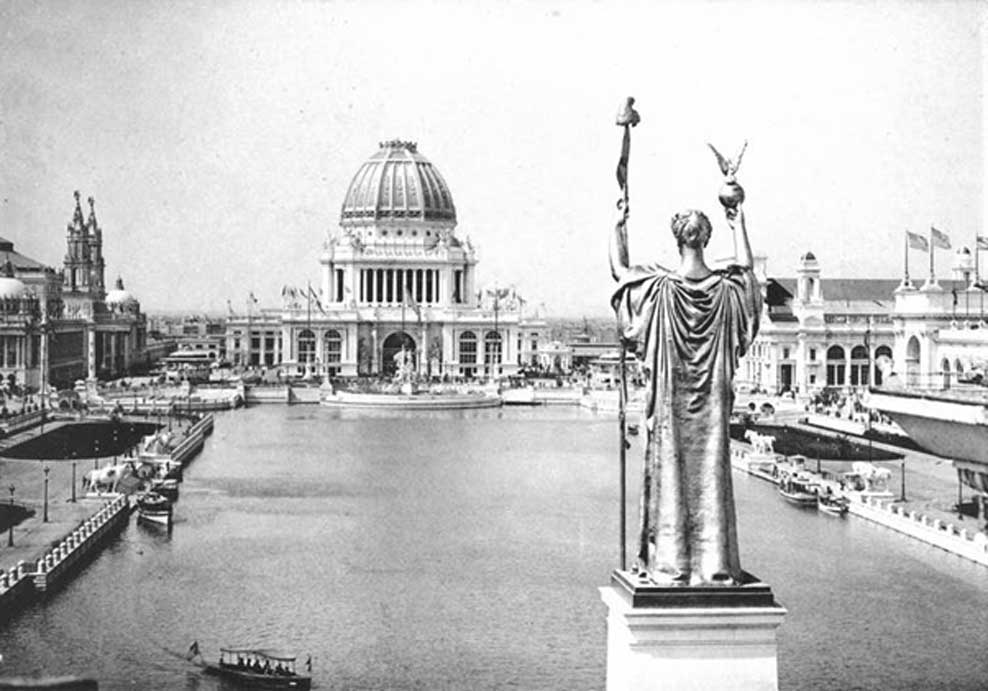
219,138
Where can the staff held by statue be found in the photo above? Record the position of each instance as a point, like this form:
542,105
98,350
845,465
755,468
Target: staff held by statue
627,118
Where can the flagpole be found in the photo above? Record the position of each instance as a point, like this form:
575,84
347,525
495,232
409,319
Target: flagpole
906,255
977,279
933,278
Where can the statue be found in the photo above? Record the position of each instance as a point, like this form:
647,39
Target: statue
688,327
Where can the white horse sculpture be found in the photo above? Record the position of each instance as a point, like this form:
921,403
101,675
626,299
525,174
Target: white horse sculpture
877,478
764,444
105,479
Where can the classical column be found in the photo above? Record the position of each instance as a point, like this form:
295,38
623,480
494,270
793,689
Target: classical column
373,345
91,353
424,357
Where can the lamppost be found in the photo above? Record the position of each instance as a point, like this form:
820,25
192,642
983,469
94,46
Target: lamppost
73,477
10,534
902,472
46,470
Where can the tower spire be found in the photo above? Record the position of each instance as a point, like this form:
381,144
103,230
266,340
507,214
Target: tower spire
92,213
77,218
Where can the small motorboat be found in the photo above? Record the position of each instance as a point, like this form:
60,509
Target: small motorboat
798,489
833,505
255,669
154,508
633,430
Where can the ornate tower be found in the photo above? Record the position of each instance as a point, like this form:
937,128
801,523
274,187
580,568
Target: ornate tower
77,255
97,278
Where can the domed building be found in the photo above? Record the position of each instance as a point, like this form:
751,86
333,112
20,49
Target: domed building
60,326
395,281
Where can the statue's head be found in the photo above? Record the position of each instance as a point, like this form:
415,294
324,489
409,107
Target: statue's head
692,229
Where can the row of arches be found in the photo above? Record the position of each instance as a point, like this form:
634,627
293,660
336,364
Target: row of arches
855,370
472,352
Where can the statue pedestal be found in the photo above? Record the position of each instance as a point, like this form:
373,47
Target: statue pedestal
682,637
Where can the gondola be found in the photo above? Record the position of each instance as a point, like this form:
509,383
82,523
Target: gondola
255,669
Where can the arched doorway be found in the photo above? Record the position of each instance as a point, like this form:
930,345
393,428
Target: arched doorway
835,366
945,373
881,351
306,346
859,366
468,354
334,352
492,354
912,362
393,345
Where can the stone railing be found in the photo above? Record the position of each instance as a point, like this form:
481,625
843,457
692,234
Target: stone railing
79,540
10,578
970,544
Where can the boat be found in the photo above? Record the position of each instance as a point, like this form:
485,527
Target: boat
832,505
798,488
519,395
166,487
633,430
256,669
154,508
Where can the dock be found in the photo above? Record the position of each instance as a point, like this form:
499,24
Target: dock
46,554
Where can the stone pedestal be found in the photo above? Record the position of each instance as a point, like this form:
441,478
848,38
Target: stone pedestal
682,637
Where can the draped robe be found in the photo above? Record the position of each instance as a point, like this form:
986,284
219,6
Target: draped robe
688,335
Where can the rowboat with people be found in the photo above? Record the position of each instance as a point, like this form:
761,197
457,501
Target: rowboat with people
254,668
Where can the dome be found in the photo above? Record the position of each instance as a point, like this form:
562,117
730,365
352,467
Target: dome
10,287
808,257
397,183
120,296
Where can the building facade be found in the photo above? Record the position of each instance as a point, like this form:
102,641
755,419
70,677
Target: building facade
59,326
395,282
818,333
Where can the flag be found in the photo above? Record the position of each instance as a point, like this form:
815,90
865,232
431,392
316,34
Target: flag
939,239
315,298
982,243
917,241
252,298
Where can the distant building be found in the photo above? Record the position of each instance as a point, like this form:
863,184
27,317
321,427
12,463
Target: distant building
395,279
57,327
817,332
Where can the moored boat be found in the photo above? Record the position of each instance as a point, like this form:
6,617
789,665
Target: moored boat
256,669
832,505
798,489
154,508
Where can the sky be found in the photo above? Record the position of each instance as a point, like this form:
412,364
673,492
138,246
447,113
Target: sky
219,138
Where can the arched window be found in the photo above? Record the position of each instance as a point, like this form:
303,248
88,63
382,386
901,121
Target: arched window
835,366
492,353
881,352
859,366
306,346
912,361
468,353
945,373
334,352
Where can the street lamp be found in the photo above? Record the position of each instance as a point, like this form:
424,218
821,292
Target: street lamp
47,470
10,534
73,477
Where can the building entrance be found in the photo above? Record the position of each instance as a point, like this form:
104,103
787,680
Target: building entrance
391,352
